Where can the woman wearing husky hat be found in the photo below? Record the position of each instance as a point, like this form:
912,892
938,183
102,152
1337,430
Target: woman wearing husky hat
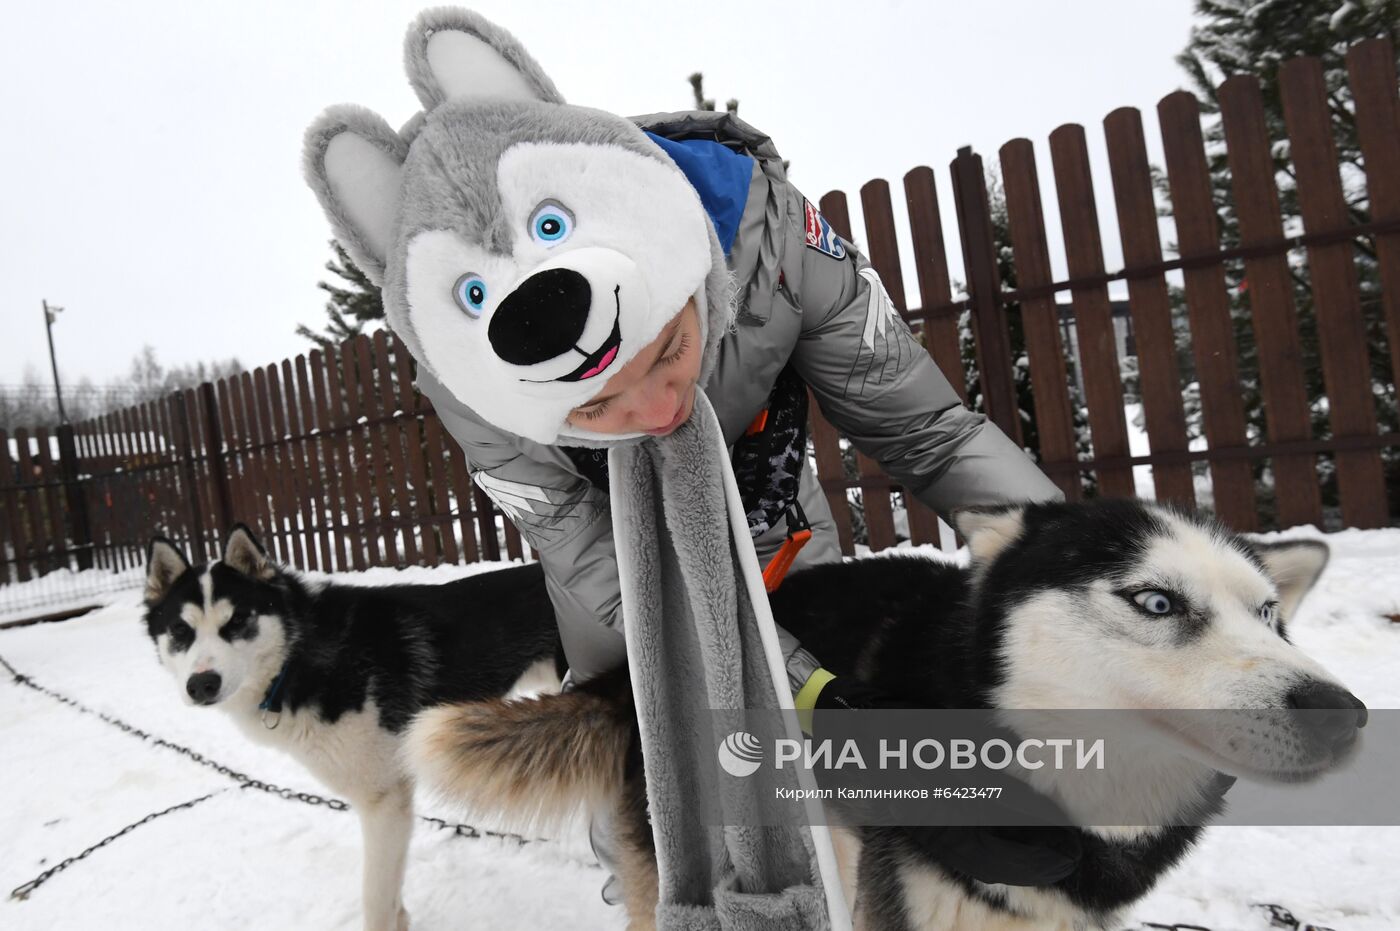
619,322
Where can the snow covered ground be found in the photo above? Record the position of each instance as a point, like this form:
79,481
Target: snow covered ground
247,859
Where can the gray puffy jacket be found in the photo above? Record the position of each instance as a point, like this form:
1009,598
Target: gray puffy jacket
807,297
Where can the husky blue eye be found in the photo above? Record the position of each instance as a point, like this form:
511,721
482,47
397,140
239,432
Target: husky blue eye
551,223
1154,602
470,294
1269,613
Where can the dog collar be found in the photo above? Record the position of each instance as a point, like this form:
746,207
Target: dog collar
272,701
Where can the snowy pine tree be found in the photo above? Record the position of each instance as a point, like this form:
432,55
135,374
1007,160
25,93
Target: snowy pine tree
1256,37
350,307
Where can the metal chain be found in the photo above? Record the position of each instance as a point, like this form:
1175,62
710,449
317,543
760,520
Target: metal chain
244,780
1278,915
20,893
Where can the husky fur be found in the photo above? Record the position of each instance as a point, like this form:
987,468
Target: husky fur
343,669
1044,618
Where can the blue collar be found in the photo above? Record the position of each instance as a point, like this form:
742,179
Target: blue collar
272,700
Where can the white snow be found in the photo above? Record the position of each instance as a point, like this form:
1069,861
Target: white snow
248,859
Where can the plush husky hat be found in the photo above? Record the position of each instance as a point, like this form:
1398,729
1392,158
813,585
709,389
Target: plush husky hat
526,249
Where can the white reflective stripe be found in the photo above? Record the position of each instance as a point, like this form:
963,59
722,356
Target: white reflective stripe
878,308
516,490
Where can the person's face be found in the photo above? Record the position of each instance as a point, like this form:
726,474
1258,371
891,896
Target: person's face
655,391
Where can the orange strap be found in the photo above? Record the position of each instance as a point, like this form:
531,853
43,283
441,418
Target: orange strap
782,560
759,423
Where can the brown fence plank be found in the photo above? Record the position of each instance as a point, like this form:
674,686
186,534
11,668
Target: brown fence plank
27,533
192,435
413,439
111,484
884,257
133,503
359,448
1270,294
378,460
1371,68
245,505
304,479
335,456
1212,333
1346,368
1149,302
290,468
464,492
109,514
13,526
57,530
1040,317
255,466
269,470
162,482
274,436
931,265
240,500
984,292
1093,317
393,441
315,473
437,468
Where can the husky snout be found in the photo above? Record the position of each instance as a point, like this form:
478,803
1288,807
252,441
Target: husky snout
203,687
1331,714
544,317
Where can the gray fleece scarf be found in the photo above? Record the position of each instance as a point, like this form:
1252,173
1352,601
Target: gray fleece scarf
700,638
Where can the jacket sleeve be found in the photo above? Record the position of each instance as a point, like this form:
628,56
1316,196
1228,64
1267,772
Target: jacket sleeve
563,516
881,389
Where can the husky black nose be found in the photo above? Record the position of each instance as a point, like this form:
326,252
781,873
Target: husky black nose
1333,715
204,687
543,318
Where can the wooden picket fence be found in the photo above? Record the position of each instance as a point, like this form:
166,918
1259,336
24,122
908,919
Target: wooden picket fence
339,464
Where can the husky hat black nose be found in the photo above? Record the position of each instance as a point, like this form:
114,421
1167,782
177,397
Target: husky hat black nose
526,249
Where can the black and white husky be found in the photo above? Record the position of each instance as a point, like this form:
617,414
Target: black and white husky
1106,605
332,674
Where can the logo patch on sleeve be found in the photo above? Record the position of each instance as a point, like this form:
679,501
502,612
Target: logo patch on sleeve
820,235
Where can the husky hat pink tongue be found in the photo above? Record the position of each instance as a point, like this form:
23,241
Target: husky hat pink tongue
514,237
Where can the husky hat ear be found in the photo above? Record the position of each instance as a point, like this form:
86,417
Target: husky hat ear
164,564
1295,566
990,529
453,53
354,163
243,553
526,249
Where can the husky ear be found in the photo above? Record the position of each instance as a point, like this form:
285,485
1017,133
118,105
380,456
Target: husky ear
989,529
1294,565
245,554
451,53
164,564
353,160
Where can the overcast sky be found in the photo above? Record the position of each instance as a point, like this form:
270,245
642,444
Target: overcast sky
150,179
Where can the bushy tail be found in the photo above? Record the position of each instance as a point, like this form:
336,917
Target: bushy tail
534,762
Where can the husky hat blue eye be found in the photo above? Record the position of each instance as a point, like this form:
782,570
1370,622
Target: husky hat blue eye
470,294
551,223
